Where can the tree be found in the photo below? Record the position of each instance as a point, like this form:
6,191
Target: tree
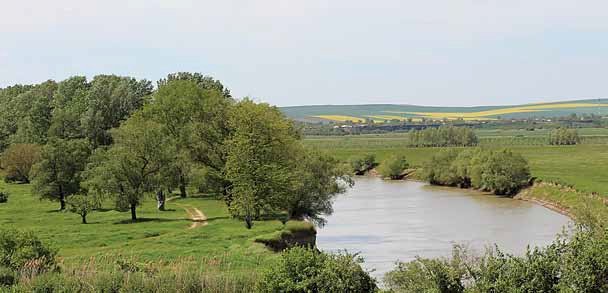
564,136
394,167
111,99
362,164
18,160
70,103
260,159
130,168
58,173
174,106
82,204
321,177
202,81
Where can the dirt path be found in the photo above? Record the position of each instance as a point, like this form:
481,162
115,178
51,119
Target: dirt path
198,218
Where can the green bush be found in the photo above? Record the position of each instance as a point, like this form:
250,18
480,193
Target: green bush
3,197
7,277
577,265
24,252
360,165
308,270
501,172
394,167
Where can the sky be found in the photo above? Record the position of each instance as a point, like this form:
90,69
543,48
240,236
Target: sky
303,52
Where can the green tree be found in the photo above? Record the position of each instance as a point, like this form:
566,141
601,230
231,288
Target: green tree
321,177
82,205
130,168
18,160
111,99
57,175
260,159
362,164
174,106
70,103
564,136
394,167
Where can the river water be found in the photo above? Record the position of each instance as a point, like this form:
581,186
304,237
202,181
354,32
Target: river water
386,221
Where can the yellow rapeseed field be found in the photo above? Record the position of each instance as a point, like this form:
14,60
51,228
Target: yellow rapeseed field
340,118
483,115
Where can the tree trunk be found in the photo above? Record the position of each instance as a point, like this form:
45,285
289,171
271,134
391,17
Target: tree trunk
62,202
133,213
248,222
84,218
182,187
160,199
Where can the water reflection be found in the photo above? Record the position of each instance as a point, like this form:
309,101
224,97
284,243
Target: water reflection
398,220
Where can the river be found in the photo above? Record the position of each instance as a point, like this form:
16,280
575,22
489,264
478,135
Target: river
386,221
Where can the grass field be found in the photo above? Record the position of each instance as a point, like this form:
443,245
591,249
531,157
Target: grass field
165,236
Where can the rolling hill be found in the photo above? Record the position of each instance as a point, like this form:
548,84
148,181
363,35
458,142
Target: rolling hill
381,112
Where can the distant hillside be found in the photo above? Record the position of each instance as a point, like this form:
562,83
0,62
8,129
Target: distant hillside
381,112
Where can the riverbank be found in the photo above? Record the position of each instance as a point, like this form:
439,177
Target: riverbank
562,199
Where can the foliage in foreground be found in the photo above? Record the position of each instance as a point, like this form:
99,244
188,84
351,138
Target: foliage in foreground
502,172
308,270
577,265
22,254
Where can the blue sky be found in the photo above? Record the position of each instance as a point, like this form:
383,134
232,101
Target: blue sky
288,52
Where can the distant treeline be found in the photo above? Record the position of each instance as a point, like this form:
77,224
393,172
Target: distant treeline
443,136
499,171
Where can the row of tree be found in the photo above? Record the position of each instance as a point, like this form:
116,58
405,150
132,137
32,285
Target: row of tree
564,136
443,136
502,172
116,137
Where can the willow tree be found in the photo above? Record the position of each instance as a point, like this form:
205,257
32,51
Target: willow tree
260,160
130,168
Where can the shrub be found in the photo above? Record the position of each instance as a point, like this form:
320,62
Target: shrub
360,165
7,277
18,160
394,167
501,172
24,252
307,270
3,196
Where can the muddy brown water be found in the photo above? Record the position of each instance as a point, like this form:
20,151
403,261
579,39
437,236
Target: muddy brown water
387,221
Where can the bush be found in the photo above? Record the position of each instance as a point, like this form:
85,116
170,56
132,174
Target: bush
18,160
24,252
501,172
360,165
307,270
3,196
394,167
7,277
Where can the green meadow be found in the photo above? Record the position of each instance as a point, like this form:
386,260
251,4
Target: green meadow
156,236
